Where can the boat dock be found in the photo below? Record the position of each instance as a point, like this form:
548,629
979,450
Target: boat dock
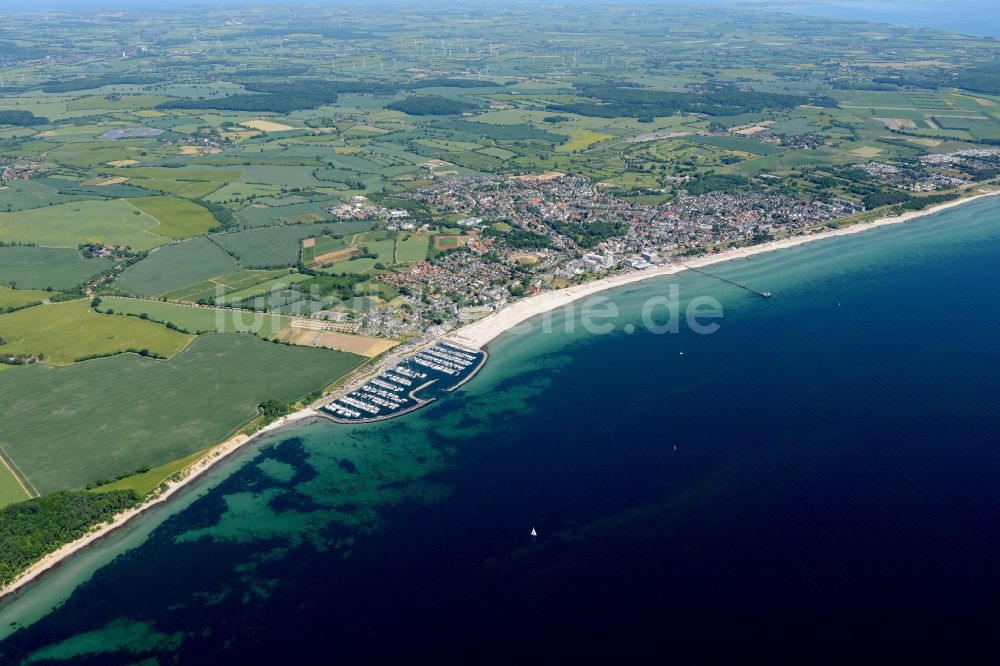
440,368
762,294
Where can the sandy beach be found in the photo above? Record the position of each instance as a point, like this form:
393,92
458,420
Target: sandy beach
477,335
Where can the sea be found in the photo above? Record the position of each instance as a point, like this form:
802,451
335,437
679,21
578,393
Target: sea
965,17
818,478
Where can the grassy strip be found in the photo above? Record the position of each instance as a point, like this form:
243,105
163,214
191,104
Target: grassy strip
148,481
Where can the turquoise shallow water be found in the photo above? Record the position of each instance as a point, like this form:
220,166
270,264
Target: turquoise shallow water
819,477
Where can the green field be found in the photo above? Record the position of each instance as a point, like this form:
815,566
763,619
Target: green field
384,250
224,285
67,427
179,218
379,243
350,266
70,224
323,245
10,488
175,266
739,143
67,331
196,319
182,188
102,103
266,247
266,287
307,211
272,247
31,194
189,182
146,482
94,153
388,248
12,298
580,139
412,248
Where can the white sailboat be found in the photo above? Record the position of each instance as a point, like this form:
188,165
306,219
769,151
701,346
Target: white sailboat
533,532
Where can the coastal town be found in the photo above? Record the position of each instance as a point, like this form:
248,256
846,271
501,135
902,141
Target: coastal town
519,236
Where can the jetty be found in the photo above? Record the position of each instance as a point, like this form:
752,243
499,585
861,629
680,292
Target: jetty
741,285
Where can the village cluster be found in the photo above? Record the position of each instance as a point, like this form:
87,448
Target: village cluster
938,171
522,235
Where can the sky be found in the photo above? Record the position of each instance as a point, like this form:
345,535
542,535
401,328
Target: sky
975,17
15,5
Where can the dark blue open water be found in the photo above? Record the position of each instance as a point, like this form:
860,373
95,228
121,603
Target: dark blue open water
835,490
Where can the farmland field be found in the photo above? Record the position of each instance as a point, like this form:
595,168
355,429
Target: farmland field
178,218
265,287
266,247
194,174
10,488
195,319
70,426
147,481
100,102
412,248
581,139
176,265
31,194
289,176
738,143
384,250
350,266
356,344
43,267
12,298
306,211
70,224
67,331
330,256
272,247
224,284
183,188
317,249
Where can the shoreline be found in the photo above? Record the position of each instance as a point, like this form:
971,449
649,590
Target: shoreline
480,333
475,335
194,471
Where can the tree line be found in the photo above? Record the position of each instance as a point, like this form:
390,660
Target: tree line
287,96
643,103
21,118
31,529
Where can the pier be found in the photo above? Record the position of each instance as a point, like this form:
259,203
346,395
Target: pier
762,294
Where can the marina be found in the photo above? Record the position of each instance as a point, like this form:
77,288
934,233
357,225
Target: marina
438,369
